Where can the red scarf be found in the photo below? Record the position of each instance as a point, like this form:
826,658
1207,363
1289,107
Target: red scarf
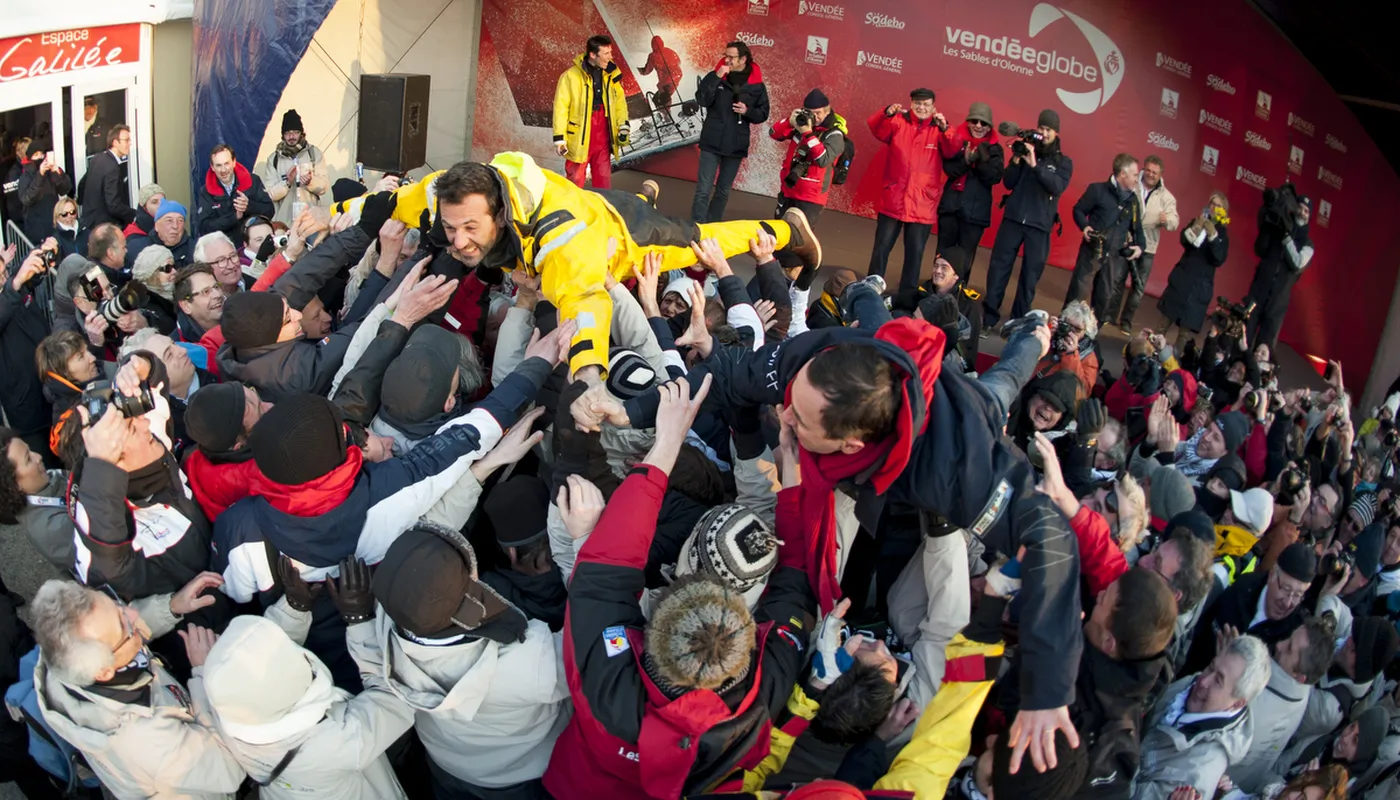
963,135
821,472
314,498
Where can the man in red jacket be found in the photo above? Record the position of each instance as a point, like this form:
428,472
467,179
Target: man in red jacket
913,181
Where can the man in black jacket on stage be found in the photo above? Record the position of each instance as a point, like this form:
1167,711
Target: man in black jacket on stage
1284,250
734,99
1036,179
1109,217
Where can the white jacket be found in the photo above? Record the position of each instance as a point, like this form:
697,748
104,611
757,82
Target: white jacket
164,750
1276,712
496,725
1159,212
274,177
339,739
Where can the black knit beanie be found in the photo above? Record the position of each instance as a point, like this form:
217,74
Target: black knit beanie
252,319
1059,783
300,439
214,416
1376,642
291,121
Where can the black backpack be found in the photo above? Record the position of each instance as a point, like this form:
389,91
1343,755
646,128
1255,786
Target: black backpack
842,168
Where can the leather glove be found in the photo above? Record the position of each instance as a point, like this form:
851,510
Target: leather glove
300,594
376,210
1090,421
353,596
831,659
269,246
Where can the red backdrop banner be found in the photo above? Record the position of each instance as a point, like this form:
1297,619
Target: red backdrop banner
1212,88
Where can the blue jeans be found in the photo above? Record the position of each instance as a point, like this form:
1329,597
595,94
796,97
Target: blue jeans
711,195
1006,378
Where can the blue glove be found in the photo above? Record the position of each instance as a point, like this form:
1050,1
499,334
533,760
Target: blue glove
831,659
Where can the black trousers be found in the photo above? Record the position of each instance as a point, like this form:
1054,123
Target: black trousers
887,230
1011,237
1108,287
1139,271
953,231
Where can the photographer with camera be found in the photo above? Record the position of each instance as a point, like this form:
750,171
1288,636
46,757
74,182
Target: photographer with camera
913,181
66,363
108,315
1191,284
816,138
1072,346
1109,216
23,325
1037,175
1284,251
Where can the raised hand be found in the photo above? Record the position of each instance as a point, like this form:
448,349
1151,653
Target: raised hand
580,504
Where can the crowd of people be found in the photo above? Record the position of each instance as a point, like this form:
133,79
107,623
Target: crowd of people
491,486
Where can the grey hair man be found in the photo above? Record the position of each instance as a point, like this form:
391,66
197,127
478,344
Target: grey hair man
1202,726
102,691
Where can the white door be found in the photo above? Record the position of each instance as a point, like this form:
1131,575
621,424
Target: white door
112,101
32,112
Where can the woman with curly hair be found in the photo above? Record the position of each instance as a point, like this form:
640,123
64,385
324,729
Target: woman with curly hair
1324,783
32,498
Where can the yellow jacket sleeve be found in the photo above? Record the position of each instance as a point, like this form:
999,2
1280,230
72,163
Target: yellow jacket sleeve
573,267
942,739
562,100
780,740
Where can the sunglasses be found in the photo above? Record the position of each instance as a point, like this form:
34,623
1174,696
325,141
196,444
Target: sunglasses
68,214
167,269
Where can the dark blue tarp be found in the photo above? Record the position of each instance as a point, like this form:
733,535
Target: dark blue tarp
244,54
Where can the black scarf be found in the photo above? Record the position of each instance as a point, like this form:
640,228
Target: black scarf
738,78
149,480
131,684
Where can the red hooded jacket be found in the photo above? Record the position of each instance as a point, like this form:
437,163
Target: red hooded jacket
913,180
665,63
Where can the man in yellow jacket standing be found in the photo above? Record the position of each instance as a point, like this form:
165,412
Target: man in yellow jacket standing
590,114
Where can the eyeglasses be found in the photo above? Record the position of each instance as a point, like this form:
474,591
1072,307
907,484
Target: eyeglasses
231,258
208,291
127,624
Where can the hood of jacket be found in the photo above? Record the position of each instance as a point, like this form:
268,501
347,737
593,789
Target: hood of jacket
1190,389
263,687
141,226
86,719
242,180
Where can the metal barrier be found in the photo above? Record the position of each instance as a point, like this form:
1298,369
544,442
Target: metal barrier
15,236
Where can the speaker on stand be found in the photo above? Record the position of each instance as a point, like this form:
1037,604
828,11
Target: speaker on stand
392,132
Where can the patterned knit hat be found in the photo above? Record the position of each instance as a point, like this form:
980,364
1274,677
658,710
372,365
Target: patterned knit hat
731,543
701,635
1365,508
629,375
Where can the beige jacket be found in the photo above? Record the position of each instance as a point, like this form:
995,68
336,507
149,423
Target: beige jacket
274,177
1159,212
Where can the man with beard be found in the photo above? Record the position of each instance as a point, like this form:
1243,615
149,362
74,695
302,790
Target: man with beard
1284,250
512,215
735,99
293,173
1195,457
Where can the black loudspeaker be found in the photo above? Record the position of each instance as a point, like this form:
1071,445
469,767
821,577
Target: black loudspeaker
393,126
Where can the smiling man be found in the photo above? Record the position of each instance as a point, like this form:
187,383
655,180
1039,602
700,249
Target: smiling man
229,194
511,214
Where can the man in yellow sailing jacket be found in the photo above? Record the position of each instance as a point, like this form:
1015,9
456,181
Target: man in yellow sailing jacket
510,214
590,114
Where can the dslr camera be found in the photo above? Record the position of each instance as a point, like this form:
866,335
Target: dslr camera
1023,139
1334,564
100,394
805,117
1234,316
1291,483
129,298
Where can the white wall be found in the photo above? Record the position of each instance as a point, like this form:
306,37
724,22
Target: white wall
431,37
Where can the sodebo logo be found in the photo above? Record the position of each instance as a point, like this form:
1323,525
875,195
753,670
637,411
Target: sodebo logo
754,39
1219,84
883,21
1257,140
1163,141
1009,54
1250,178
